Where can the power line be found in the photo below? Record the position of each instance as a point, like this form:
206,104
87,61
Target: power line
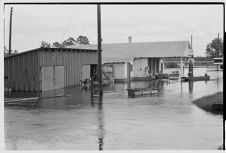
69,21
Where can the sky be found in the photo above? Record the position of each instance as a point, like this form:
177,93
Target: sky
144,23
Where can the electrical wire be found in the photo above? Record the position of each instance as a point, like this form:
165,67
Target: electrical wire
69,21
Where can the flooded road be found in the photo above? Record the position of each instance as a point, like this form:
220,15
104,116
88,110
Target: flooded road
167,120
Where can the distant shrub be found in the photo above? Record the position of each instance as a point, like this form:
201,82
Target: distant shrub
198,58
203,59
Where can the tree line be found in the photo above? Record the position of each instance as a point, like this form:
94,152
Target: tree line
81,40
215,48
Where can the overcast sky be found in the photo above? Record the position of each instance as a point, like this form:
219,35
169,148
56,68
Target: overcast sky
145,23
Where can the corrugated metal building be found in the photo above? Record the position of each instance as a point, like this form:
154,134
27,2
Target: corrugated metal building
48,68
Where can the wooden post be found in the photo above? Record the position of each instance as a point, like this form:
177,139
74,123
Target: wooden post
99,50
91,86
128,75
218,50
190,62
190,87
163,66
181,67
191,67
128,71
113,76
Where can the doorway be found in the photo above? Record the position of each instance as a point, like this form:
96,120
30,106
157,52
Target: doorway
85,74
52,77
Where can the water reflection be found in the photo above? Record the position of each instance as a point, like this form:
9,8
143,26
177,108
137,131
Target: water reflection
190,83
129,84
20,94
95,99
53,93
218,84
52,103
181,87
100,124
160,85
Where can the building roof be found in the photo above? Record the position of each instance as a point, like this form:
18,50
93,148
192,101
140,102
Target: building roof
119,52
50,49
115,59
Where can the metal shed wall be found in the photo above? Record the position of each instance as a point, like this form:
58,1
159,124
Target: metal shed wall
22,71
71,59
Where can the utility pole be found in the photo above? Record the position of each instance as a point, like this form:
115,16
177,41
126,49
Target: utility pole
4,36
10,30
191,62
99,50
218,50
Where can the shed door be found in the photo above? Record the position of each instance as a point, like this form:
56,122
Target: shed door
59,77
52,77
85,72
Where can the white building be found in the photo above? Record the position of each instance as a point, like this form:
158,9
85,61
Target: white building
135,61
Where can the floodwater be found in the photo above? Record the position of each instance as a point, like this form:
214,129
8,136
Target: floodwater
167,120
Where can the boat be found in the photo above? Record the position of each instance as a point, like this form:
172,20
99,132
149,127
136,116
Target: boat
163,76
174,76
196,78
141,91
